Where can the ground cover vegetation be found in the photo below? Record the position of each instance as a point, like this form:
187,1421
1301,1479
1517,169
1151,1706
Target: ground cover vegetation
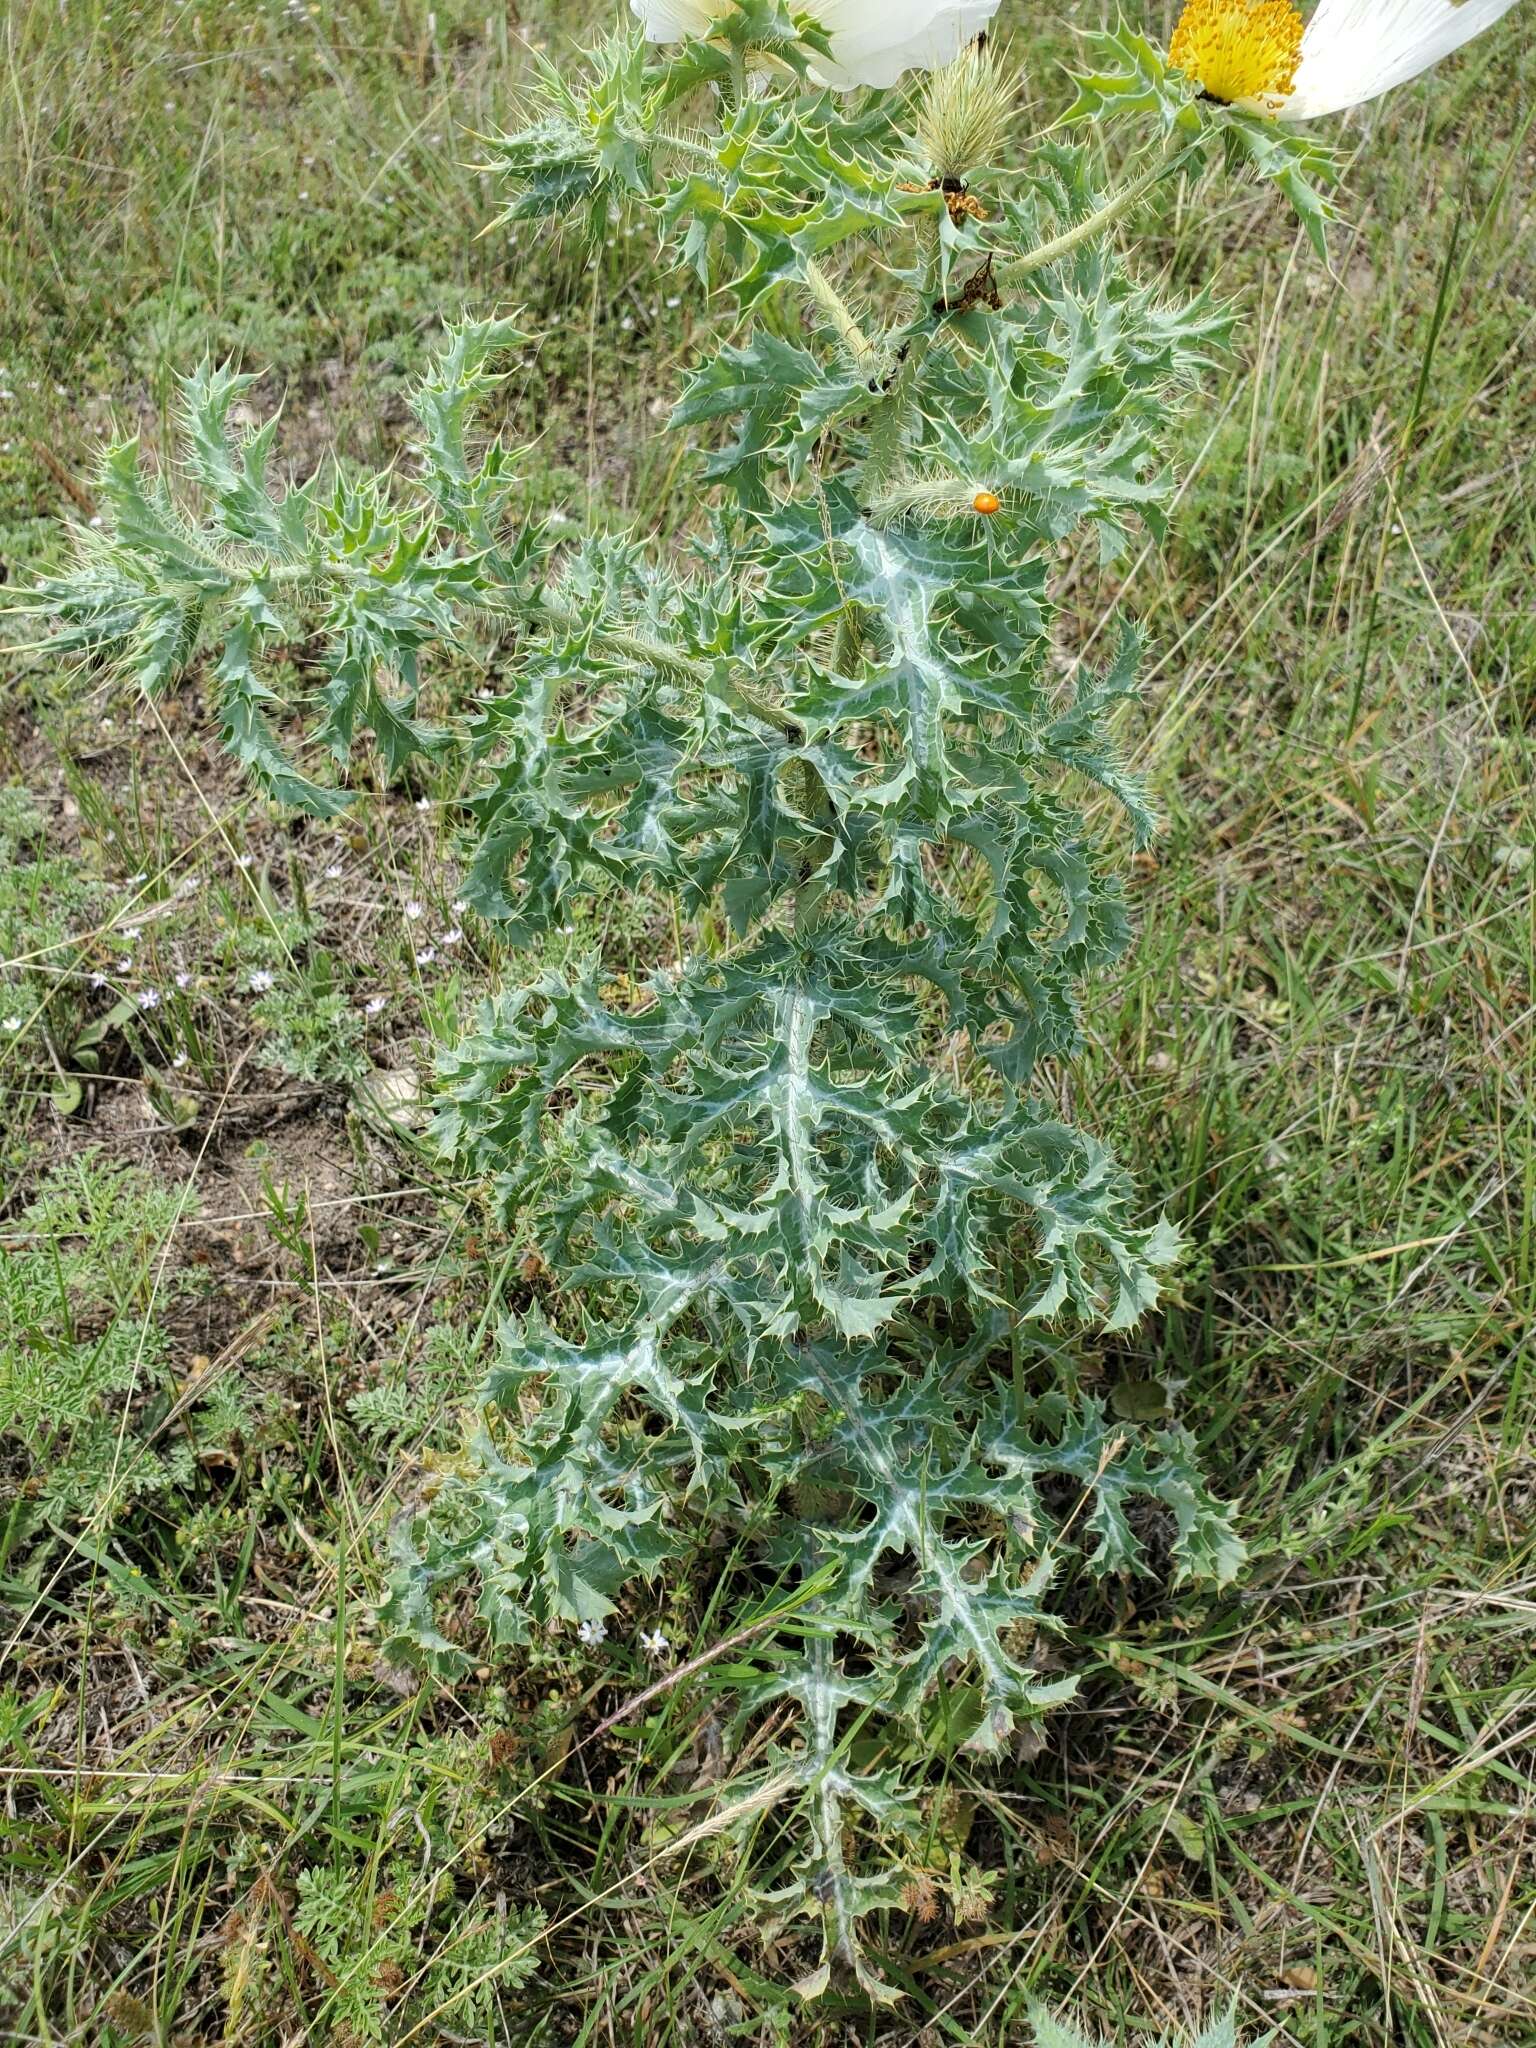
251,1306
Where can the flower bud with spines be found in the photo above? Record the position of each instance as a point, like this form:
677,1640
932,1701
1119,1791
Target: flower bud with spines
964,114
930,499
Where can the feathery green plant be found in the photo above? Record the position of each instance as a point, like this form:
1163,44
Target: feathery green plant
78,1336
820,1237
1051,2031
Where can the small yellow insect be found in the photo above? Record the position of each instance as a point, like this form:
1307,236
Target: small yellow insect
986,503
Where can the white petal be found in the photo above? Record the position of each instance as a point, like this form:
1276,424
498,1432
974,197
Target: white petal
1355,50
874,41
674,21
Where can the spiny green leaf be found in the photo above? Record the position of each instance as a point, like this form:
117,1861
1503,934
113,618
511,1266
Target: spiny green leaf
247,731
1133,77
1293,161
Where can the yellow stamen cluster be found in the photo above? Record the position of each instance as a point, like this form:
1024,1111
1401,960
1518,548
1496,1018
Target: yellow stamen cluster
1243,50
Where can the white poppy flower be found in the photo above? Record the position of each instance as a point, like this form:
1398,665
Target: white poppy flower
1256,55
873,41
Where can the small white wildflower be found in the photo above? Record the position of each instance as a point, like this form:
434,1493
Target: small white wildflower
189,887
459,905
414,910
654,1643
98,981
451,937
183,980
131,934
148,999
261,981
333,872
423,803
133,881
13,1023
374,1005
180,1060
243,860
592,1632
567,929
426,956
125,966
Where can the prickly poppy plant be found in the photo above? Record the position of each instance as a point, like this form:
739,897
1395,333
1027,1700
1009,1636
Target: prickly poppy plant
820,1258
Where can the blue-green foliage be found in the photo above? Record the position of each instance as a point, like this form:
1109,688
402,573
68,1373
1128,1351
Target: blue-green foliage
820,1240
238,568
